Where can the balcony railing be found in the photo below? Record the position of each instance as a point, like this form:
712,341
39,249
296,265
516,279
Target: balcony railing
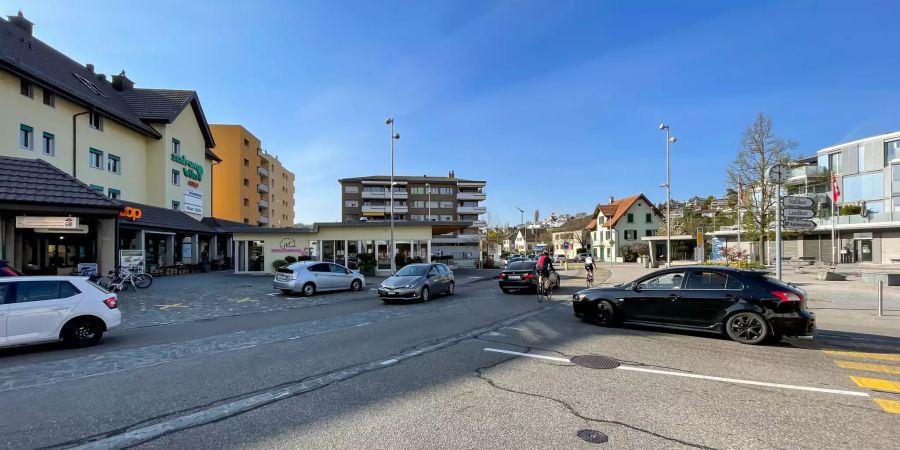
262,171
385,194
799,175
384,209
856,219
462,195
471,210
263,204
263,187
263,219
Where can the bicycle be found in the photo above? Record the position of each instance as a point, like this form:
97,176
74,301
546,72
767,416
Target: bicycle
590,278
544,288
118,281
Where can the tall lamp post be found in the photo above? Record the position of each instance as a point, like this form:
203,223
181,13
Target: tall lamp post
394,137
669,140
522,221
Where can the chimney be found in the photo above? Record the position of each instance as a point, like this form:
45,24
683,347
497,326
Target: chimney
89,67
611,199
101,77
121,82
20,22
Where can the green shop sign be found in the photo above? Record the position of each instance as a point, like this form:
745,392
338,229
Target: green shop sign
193,170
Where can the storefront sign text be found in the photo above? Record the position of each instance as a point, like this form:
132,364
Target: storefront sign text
193,201
193,170
80,229
46,222
289,245
193,183
131,213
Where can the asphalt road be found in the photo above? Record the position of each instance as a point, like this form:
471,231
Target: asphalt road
355,373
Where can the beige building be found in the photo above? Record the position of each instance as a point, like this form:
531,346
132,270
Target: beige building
141,148
251,186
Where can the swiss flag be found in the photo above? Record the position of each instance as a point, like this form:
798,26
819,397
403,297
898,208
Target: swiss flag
835,190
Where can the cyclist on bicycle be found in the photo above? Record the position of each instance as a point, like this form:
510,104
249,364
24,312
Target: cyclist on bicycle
544,266
589,266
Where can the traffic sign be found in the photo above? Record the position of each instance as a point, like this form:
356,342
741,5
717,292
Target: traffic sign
797,202
790,213
799,224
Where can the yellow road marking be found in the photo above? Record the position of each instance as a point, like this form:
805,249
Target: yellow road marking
891,406
880,356
894,370
174,305
877,384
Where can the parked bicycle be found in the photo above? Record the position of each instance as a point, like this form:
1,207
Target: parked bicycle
133,276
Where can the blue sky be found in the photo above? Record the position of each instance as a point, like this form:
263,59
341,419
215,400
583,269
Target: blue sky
511,92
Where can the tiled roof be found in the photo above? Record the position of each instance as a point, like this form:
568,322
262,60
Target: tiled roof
617,209
29,57
574,224
228,226
165,219
36,181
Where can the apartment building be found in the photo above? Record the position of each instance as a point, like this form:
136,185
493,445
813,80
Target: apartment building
142,149
422,199
281,192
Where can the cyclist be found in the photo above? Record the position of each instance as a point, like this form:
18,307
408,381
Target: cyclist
544,266
589,266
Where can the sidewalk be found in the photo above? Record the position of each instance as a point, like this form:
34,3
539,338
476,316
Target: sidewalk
840,306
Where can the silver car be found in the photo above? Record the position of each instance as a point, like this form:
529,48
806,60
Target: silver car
417,282
309,277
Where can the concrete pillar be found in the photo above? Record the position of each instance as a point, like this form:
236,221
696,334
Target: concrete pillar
141,240
195,249
170,250
212,251
106,245
429,250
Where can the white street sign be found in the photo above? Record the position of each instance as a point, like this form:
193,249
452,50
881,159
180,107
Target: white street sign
797,202
46,222
799,225
790,213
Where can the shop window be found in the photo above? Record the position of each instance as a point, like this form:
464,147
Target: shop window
26,88
26,137
48,144
114,164
114,194
49,98
176,146
95,158
176,177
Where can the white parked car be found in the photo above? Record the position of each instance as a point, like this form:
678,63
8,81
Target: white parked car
47,309
309,277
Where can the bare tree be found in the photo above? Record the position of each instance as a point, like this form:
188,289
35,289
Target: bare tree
582,238
760,150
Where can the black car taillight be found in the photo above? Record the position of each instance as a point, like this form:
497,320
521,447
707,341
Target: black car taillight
528,276
502,276
788,296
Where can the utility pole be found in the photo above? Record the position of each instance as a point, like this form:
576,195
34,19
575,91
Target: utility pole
394,137
669,140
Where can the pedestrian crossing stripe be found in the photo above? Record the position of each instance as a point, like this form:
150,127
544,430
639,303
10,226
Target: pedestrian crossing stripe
864,355
891,406
894,370
877,384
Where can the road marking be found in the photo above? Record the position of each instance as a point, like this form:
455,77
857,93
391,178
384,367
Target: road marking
877,384
362,324
893,370
388,362
530,355
701,377
879,356
891,406
173,305
494,333
273,294
245,300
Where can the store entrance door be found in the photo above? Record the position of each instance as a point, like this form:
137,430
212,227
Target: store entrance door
864,250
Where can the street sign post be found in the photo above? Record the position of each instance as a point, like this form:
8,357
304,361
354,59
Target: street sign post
797,202
792,213
778,174
798,224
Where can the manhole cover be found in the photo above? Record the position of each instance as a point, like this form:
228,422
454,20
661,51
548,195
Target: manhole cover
595,362
592,436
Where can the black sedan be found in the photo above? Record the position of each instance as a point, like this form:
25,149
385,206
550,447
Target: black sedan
748,306
522,275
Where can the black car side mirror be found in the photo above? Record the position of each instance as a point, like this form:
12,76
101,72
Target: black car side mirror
636,288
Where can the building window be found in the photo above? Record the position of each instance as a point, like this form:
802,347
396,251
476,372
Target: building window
26,137
246,202
630,235
648,218
418,203
246,182
96,120
351,189
97,188
26,88
49,98
891,151
176,177
176,205
48,146
246,161
95,158
649,233
442,191
630,218
114,194
835,162
861,157
247,142
447,218
868,186
446,204
348,203
176,146
246,220
114,164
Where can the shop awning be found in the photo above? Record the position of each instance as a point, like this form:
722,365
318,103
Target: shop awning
140,216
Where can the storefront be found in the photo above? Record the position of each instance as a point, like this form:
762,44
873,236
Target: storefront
50,223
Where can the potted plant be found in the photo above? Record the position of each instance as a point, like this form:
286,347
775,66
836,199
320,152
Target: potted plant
366,264
279,263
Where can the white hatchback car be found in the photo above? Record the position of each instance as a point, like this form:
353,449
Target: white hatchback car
309,277
50,308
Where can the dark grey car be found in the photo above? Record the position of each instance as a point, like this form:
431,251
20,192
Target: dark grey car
417,282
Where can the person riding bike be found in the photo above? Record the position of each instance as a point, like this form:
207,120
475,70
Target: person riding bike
544,267
589,266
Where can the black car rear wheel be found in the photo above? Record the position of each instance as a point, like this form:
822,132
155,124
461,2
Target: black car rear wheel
606,314
747,328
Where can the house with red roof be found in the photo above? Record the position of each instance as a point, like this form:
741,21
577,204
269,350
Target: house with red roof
622,223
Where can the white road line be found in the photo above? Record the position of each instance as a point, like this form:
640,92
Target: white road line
273,294
362,324
390,361
530,355
700,377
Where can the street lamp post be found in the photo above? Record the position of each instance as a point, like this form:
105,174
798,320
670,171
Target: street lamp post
394,137
669,140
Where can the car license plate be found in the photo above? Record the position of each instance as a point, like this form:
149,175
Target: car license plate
515,277
282,277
